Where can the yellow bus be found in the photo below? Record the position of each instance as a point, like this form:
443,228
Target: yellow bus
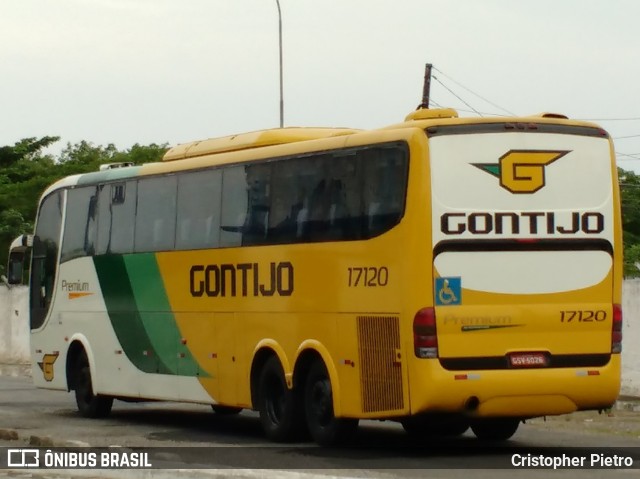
443,272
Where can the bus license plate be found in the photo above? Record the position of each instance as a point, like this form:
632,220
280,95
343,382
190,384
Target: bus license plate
528,360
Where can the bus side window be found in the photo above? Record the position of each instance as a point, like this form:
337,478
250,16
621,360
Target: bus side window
343,196
91,228
301,216
156,214
256,227
116,206
291,183
311,211
235,197
199,202
384,189
159,234
80,223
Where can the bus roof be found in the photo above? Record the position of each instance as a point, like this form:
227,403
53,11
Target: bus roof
422,118
254,139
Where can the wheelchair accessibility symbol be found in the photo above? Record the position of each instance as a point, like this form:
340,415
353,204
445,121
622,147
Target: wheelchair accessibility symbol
448,291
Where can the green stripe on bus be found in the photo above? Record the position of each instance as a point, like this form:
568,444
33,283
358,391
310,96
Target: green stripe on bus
123,313
96,177
156,316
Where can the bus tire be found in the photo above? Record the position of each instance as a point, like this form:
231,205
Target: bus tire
225,410
279,411
324,427
90,405
495,429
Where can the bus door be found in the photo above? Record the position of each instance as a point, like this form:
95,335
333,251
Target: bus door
44,260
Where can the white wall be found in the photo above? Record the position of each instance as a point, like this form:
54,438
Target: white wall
14,325
631,338
14,332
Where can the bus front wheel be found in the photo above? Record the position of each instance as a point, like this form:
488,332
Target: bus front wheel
325,428
495,429
279,411
89,404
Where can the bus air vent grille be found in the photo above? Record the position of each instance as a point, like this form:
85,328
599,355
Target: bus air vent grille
380,371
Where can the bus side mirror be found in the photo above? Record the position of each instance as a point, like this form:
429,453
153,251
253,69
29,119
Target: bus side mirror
16,268
17,257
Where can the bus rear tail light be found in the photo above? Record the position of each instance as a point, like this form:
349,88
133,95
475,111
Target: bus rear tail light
425,337
616,329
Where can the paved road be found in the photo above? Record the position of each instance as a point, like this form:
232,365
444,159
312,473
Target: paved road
379,450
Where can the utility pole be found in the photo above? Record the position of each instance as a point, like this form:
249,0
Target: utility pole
281,81
426,89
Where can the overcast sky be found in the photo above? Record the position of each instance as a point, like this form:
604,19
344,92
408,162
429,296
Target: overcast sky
143,71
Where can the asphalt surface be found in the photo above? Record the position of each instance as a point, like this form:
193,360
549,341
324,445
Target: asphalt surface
191,437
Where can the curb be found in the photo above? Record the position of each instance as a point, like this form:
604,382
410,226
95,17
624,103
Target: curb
9,435
627,403
628,398
39,441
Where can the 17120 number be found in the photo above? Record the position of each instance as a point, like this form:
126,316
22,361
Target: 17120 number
582,316
368,277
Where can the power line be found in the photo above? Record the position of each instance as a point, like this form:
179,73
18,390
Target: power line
610,119
435,103
456,95
633,156
474,93
621,156
623,137
483,113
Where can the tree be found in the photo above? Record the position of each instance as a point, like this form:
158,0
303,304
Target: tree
26,171
630,200
28,148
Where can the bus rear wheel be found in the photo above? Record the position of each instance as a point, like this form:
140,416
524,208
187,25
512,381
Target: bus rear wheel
89,404
325,428
279,410
495,429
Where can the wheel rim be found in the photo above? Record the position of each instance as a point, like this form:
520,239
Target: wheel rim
321,402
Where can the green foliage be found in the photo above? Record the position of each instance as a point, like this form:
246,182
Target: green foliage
12,224
26,149
631,259
26,171
630,199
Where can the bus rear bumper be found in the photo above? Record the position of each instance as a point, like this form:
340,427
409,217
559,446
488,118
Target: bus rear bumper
525,406
523,393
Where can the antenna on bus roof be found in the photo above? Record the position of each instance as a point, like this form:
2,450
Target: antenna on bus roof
426,88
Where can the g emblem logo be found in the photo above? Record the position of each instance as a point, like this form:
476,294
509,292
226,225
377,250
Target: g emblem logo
47,365
522,171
